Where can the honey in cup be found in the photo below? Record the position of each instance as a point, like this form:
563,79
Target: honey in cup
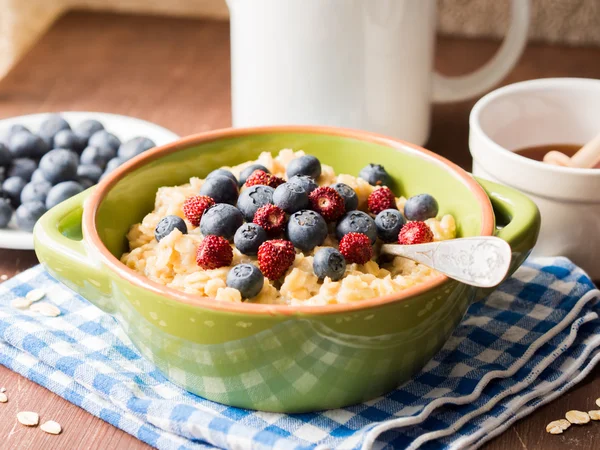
539,151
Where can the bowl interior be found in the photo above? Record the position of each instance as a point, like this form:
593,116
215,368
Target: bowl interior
414,172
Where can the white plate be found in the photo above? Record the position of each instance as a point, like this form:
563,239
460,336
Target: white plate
121,126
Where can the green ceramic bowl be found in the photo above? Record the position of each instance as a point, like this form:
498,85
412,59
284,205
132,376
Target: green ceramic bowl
275,357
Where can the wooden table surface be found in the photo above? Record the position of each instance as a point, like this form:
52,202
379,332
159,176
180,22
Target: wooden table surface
175,72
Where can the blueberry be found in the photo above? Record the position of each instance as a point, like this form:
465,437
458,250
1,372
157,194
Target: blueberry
168,224
329,262
103,138
38,176
22,168
348,194
28,214
244,174
134,147
35,192
290,197
421,207
356,222
253,198
61,192
69,140
306,229
246,278
248,238
221,220
306,182
389,222
5,155
3,175
86,128
89,172
7,133
59,165
12,188
52,125
305,165
97,156
113,164
23,144
5,212
375,175
85,183
223,172
221,189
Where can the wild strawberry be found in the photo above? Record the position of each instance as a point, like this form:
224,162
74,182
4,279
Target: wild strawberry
327,202
275,257
356,248
214,252
194,208
263,178
415,233
271,218
381,199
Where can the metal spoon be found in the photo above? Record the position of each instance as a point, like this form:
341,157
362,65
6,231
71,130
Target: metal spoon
481,261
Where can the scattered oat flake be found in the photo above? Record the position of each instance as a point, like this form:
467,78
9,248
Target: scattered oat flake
3,277
558,426
35,295
20,303
598,401
3,389
594,415
51,427
3,397
577,417
46,309
28,418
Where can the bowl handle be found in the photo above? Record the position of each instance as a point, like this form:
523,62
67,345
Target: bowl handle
521,223
60,247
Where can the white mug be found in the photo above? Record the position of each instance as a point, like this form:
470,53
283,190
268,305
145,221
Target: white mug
365,64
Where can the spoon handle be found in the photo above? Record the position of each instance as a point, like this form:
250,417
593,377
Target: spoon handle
481,261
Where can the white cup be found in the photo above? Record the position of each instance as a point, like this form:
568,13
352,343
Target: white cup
541,112
364,64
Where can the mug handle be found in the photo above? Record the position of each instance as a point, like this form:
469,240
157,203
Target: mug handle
452,89
59,246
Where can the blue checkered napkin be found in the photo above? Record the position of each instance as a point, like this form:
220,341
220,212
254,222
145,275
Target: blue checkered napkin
531,340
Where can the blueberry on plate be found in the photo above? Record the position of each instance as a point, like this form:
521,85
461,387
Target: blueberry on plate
59,165
306,229
103,139
221,189
85,183
375,175
69,140
61,192
329,262
112,165
86,128
89,172
5,155
38,176
253,198
12,188
168,224
421,207
389,222
348,194
5,212
35,192
28,214
52,125
97,156
246,278
134,147
3,176
6,134
221,220
244,174
24,144
224,173
248,238
306,182
290,197
356,222
22,168
304,165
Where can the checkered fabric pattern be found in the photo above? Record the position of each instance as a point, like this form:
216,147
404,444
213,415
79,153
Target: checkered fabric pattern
532,339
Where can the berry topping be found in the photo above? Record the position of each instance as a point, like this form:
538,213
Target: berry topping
194,207
304,165
356,248
168,224
356,222
253,198
389,222
348,194
415,233
246,278
271,218
275,257
264,178
307,183
244,174
221,189
380,199
214,252
306,229
133,147
329,262
375,175
221,220
327,202
421,207
290,197
224,173
248,238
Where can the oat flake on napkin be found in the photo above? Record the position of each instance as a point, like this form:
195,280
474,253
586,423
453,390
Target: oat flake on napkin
534,338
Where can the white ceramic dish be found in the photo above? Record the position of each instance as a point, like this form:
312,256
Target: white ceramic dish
539,112
121,126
